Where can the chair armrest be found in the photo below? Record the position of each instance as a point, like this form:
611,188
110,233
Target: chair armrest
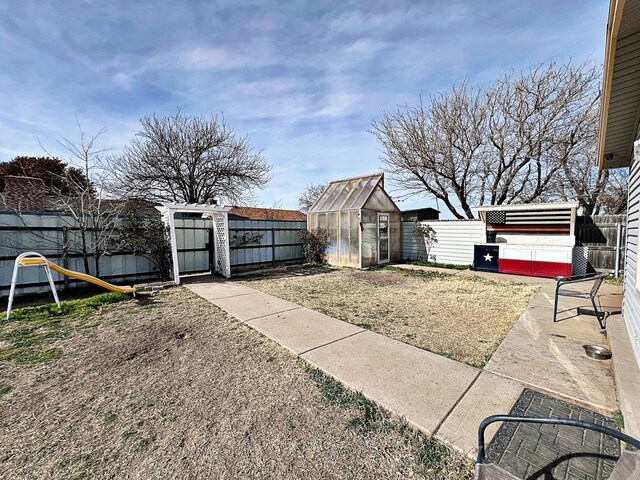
545,420
581,278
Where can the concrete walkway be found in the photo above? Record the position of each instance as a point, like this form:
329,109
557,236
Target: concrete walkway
550,356
435,394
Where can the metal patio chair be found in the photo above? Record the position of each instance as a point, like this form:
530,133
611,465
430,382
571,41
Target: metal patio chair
597,280
627,467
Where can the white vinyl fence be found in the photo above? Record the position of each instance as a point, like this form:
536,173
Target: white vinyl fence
455,240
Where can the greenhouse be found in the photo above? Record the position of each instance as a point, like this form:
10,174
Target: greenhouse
362,220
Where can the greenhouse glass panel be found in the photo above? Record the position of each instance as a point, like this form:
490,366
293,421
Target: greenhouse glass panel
346,194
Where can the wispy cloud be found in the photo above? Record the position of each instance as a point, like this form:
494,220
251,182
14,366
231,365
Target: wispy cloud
303,79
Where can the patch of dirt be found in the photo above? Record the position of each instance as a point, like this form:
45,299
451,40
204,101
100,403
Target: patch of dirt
178,389
464,318
380,279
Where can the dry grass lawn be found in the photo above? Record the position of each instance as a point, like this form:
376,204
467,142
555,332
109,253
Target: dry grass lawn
174,388
464,318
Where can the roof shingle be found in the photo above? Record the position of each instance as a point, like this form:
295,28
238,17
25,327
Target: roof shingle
256,213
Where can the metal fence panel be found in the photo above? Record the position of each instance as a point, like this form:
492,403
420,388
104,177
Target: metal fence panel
45,233
260,242
269,242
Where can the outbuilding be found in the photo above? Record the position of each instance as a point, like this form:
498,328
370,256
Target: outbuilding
362,220
531,239
420,214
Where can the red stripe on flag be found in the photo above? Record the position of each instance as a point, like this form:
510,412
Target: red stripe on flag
530,228
538,269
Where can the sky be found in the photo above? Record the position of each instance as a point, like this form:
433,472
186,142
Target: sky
303,80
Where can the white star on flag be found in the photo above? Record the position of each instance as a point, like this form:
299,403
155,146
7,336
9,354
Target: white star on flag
488,257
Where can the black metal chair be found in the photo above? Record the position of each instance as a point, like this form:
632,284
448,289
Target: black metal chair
596,278
627,467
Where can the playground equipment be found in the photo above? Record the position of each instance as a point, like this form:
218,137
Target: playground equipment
34,259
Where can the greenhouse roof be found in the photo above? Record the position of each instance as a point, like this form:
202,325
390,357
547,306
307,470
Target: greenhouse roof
347,194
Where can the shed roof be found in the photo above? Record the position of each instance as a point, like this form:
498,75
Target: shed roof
423,209
347,194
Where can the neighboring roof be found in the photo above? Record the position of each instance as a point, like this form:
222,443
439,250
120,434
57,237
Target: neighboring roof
255,213
140,205
527,206
420,210
348,193
620,93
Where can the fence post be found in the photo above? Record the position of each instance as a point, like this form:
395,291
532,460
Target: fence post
273,244
65,254
618,245
212,267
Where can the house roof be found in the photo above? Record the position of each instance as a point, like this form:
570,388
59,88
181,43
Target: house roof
620,93
257,213
348,193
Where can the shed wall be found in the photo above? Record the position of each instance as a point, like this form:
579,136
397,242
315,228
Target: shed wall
369,247
631,297
344,235
379,201
456,239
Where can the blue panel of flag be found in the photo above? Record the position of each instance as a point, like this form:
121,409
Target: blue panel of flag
485,257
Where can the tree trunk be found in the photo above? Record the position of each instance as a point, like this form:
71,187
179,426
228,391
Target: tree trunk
96,261
85,253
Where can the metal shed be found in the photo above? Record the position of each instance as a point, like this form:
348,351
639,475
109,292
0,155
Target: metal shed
362,220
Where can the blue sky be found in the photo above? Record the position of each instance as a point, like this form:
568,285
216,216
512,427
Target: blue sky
302,79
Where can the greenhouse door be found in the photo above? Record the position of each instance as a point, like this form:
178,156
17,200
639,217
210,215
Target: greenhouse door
383,238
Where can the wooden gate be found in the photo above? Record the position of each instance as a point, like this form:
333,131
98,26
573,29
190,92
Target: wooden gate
600,234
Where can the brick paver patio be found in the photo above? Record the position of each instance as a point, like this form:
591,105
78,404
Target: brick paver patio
557,452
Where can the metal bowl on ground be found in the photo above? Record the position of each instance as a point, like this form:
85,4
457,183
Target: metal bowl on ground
597,352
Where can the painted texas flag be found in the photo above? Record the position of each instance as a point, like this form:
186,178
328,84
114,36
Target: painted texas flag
539,261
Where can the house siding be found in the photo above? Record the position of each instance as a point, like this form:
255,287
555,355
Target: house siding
631,297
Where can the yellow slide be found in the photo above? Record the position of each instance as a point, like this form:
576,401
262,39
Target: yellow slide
80,276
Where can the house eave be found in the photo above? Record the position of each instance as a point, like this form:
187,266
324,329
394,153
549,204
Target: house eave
620,104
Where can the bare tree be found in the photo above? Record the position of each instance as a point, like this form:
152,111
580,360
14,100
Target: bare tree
145,234
580,179
613,200
310,194
499,145
539,123
433,149
76,189
189,159
85,197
